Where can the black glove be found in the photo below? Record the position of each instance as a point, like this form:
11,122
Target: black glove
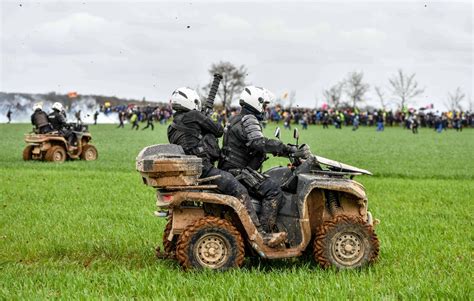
291,149
302,152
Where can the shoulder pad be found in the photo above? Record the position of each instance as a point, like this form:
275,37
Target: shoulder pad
192,113
196,114
252,127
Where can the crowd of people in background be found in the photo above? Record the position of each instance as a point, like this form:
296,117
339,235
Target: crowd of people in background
338,118
136,115
408,118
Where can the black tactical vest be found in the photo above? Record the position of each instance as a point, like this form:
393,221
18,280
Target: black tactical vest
40,119
179,134
56,120
236,150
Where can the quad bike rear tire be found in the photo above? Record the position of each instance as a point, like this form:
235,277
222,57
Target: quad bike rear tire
89,153
210,243
169,246
346,242
56,154
28,153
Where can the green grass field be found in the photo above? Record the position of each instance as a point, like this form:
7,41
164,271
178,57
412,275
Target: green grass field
86,229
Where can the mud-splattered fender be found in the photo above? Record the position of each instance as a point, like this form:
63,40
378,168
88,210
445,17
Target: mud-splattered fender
308,182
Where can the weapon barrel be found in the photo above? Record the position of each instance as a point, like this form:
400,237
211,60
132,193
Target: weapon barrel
213,92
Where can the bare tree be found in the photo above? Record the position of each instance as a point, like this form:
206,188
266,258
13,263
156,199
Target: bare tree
404,87
233,80
355,88
381,96
454,100
333,95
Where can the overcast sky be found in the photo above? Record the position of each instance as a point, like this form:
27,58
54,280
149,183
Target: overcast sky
146,49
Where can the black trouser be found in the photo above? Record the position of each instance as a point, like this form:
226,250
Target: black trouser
45,129
70,136
266,190
271,195
149,123
229,185
121,125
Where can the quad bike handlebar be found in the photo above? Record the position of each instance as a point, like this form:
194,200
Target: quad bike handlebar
300,154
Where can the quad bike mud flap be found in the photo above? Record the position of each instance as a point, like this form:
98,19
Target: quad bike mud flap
254,237
36,148
346,186
182,218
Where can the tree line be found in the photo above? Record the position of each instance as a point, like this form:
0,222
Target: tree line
347,93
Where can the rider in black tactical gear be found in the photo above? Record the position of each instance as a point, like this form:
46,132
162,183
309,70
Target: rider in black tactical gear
40,120
57,118
197,134
245,149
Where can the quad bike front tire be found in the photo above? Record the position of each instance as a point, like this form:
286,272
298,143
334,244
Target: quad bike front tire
346,242
56,154
210,243
28,153
89,153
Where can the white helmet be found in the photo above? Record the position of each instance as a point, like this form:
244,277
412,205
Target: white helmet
57,106
255,97
185,99
38,105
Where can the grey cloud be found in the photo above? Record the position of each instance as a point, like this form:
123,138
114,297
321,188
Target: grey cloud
136,49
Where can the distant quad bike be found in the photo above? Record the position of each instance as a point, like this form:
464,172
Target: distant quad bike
324,213
55,148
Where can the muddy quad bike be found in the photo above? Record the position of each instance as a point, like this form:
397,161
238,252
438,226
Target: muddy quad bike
324,213
55,148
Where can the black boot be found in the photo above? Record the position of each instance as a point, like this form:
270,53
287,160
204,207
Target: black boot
270,239
268,220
